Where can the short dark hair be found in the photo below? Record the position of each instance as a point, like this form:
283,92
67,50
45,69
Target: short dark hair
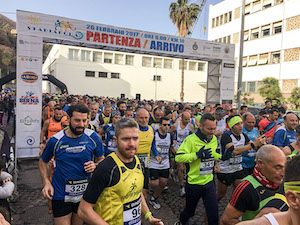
2,165
154,110
207,116
298,129
82,108
231,110
164,118
217,105
273,110
292,169
267,101
167,112
119,103
47,100
243,107
57,107
262,112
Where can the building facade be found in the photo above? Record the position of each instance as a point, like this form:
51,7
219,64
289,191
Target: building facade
271,40
111,73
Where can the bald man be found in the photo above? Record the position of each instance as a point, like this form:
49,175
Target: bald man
147,143
256,190
48,111
181,130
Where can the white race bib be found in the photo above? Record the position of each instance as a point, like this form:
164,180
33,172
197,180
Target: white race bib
132,212
143,159
206,166
74,189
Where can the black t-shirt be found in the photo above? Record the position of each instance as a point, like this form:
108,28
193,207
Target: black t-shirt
106,174
245,197
226,139
277,203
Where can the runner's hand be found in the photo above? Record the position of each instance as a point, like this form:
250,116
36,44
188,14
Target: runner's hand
204,153
158,159
3,221
155,221
89,166
48,190
228,153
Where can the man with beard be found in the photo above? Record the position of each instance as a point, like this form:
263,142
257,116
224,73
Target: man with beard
114,195
121,107
286,135
51,126
74,150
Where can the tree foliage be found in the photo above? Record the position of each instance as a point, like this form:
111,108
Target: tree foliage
270,90
295,97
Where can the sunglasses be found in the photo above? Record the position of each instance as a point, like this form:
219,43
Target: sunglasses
166,125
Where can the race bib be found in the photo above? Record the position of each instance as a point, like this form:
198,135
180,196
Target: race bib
163,151
251,153
112,146
74,189
132,212
143,159
235,160
206,166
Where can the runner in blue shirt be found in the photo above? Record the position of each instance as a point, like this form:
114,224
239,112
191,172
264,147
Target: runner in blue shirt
286,135
73,150
109,131
248,162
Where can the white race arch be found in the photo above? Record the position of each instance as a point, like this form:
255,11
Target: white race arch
35,28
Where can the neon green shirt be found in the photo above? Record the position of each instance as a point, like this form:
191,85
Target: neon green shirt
199,171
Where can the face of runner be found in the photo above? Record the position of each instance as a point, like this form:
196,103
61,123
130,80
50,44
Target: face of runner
291,121
273,168
186,117
142,117
122,107
249,123
58,114
208,128
78,122
129,114
158,114
107,110
127,143
273,116
165,126
115,119
237,129
94,110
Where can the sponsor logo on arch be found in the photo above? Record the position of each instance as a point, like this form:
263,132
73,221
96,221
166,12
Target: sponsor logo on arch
29,77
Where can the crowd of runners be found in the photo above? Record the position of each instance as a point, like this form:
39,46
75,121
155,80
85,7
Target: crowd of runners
100,156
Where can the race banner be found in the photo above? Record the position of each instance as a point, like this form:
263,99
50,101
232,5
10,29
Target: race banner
53,29
29,95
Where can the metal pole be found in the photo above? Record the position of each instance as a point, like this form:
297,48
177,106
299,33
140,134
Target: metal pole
240,71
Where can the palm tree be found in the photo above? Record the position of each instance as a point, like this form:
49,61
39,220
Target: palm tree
183,16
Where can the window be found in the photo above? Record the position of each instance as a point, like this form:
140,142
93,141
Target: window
254,33
192,66
102,74
201,66
157,78
226,18
278,2
251,86
221,19
157,63
185,64
243,87
256,6
263,59
119,59
90,73
108,57
230,16
97,57
246,35
244,61
115,75
266,30
224,40
277,27
217,21
213,23
229,39
247,9
85,55
73,54
129,59
275,57
168,63
267,4
146,61
252,60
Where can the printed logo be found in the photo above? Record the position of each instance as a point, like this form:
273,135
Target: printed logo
195,46
29,99
64,25
29,121
33,20
30,59
29,77
216,49
227,50
30,140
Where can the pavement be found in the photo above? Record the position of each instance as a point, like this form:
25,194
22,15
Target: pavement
30,208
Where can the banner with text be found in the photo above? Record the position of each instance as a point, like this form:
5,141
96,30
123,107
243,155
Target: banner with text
87,34
29,95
